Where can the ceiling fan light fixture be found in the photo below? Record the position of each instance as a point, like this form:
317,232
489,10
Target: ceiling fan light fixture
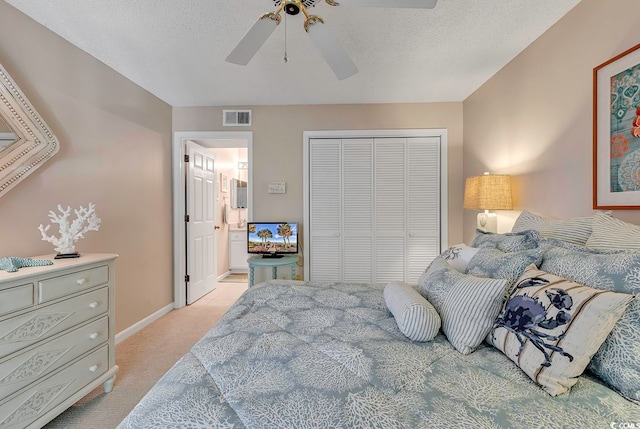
292,7
325,42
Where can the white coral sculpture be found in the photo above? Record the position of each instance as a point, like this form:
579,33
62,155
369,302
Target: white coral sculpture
85,221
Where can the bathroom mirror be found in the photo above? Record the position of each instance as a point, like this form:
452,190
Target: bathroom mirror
26,142
238,194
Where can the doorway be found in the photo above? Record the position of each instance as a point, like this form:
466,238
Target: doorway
211,140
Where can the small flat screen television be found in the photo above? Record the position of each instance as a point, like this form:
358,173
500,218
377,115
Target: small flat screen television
272,239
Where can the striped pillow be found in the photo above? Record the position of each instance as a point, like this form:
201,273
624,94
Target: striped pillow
551,327
575,230
613,234
467,305
415,316
469,310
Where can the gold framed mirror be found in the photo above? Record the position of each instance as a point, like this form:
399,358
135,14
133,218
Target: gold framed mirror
26,142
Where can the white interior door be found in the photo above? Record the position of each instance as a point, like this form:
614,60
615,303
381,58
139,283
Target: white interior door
201,209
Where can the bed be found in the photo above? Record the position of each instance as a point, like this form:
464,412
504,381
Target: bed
294,354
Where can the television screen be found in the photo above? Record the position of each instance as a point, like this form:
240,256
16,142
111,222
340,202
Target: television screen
272,238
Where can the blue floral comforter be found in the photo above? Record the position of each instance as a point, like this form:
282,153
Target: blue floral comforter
294,354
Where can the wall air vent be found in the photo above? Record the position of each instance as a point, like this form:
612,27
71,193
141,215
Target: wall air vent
236,118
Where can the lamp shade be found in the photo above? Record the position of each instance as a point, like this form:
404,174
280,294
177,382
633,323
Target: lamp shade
488,192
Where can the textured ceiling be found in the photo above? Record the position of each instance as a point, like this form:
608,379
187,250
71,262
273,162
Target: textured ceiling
176,48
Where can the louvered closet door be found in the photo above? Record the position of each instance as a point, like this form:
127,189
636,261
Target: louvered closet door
325,172
374,208
357,227
423,204
389,209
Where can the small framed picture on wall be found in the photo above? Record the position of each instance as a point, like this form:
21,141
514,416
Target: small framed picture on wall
224,183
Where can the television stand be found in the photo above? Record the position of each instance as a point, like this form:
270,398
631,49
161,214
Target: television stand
274,263
271,256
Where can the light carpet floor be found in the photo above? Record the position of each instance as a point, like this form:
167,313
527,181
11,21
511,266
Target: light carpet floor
144,357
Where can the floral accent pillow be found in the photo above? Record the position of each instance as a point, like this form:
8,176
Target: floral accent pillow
508,242
618,360
551,327
458,256
467,305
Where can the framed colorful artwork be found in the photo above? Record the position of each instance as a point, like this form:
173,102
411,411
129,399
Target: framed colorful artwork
616,132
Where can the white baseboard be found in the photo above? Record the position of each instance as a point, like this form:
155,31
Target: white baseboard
223,275
144,322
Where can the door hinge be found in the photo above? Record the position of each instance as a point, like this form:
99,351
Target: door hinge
187,278
186,158
186,218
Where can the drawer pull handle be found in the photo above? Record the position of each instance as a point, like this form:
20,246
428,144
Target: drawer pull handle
94,304
81,281
93,336
93,368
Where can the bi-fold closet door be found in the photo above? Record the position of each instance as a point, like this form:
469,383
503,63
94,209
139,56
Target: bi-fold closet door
374,208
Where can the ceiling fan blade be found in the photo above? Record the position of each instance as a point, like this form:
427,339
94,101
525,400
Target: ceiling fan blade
333,53
252,41
416,4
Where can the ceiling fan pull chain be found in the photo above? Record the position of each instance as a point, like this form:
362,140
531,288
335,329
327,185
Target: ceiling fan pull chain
285,39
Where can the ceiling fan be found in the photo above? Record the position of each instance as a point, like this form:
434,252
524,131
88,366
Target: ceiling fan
323,39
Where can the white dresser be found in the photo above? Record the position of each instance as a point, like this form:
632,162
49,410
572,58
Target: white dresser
56,337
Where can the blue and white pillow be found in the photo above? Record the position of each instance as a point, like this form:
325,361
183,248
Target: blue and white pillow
574,230
617,362
508,242
458,256
613,234
551,327
415,316
494,263
467,305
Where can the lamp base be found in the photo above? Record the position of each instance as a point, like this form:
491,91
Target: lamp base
487,222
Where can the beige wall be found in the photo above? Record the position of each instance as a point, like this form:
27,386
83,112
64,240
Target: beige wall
277,145
115,141
533,119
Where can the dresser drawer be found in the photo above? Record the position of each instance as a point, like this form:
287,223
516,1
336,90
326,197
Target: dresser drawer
32,365
75,282
26,329
34,402
16,298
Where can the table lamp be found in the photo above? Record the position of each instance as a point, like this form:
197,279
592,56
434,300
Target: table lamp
488,192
